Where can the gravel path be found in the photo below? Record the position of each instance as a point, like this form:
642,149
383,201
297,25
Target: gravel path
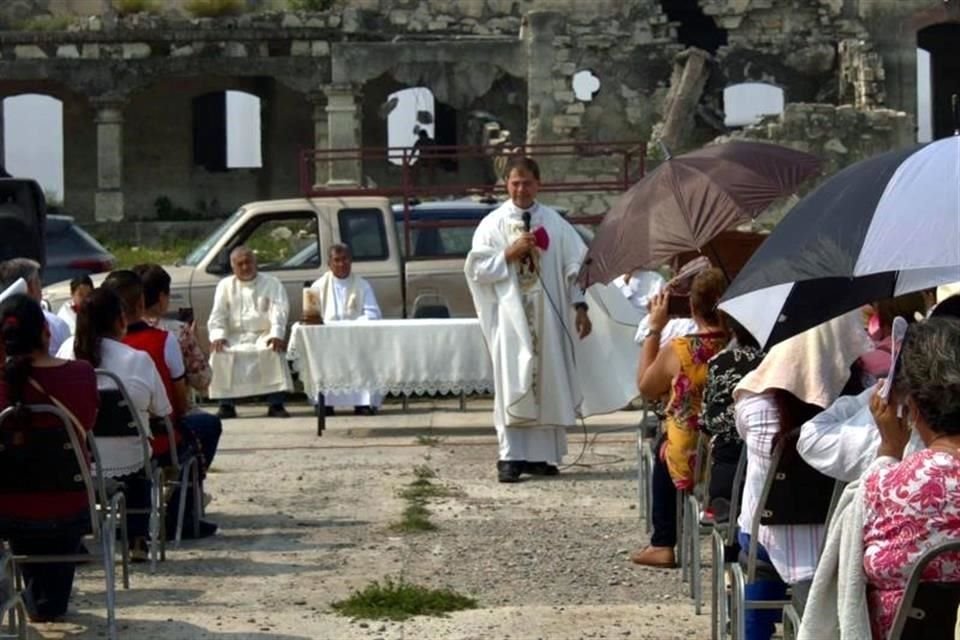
305,520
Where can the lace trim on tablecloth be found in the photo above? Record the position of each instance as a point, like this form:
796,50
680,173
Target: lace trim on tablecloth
432,387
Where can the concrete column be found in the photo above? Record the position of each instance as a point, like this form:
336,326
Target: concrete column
343,132
108,202
321,137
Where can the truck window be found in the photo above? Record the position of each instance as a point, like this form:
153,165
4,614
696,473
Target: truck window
363,231
284,241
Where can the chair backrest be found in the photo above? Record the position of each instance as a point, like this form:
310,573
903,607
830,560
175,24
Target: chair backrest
736,496
46,459
117,416
928,610
776,474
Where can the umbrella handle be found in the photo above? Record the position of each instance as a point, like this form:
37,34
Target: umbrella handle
955,109
716,259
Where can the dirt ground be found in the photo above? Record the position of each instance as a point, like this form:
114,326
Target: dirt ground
305,520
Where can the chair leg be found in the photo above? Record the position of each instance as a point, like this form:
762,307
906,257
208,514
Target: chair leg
716,585
155,521
108,539
641,507
791,622
197,498
124,539
738,603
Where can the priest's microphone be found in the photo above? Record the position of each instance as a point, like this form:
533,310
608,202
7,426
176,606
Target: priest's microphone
526,229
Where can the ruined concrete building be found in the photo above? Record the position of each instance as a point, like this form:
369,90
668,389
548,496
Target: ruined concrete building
142,94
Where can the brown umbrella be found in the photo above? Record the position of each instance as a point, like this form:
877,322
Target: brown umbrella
686,201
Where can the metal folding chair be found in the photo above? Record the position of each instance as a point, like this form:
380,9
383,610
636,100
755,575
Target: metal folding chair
723,536
118,418
647,425
692,529
54,460
11,602
928,610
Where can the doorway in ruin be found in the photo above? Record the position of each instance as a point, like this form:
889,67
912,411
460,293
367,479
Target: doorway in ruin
939,42
33,141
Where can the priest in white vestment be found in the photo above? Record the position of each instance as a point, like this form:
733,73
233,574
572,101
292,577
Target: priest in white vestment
344,296
247,326
521,270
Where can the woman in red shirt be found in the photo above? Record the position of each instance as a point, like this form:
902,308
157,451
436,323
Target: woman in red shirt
57,523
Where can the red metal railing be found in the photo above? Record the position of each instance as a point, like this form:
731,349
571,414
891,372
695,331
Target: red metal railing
626,166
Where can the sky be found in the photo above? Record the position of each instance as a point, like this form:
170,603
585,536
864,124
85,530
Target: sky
33,132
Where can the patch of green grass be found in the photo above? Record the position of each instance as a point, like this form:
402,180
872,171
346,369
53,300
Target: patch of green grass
128,256
214,8
400,601
46,23
415,519
423,489
423,472
426,440
130,7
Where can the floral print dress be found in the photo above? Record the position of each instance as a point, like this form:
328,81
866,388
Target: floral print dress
911,506
682,424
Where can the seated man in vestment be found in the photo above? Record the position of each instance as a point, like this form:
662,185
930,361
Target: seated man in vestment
345,296
247,326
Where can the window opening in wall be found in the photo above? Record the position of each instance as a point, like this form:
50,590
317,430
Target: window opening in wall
411,120
33,141
746,103
226,131
243,131
696,28
942,76
585,85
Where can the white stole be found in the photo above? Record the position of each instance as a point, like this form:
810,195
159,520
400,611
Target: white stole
353,306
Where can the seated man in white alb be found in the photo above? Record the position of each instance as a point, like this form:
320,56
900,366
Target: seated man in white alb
344,296
247,327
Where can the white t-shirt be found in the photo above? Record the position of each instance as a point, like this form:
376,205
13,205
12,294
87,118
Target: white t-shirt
59,331
121,455
68,315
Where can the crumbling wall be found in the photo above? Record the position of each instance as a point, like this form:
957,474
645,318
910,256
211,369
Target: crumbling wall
838,135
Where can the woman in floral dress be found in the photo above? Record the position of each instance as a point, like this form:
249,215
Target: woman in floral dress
914,504
678,372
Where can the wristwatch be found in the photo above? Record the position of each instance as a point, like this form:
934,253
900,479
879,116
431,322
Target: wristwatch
581,306
652,332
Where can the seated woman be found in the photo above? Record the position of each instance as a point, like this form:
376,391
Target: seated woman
724,372
56,524
679,371
100,328
796,380
914,504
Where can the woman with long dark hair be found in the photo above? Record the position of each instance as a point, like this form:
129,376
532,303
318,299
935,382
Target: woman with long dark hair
56,524
100,328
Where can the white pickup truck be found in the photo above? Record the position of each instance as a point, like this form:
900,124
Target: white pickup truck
291,239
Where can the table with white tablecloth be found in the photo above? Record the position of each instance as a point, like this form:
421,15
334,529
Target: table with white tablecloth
402,357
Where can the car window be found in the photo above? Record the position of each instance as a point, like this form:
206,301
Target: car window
443,242
363,231
200,252
277,238
66,241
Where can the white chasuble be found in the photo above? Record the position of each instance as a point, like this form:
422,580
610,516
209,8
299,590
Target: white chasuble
247,314
542,370
348,299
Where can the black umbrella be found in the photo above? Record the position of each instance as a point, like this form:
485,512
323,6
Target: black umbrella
882,227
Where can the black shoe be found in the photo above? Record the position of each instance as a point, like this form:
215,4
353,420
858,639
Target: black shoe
509,470
226,411
277,411
540,469
364,410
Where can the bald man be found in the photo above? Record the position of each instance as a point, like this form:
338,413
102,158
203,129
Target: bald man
247,327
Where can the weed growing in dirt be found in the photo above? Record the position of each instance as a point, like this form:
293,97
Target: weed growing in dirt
422,489
415,519
401,600
426,440
423,472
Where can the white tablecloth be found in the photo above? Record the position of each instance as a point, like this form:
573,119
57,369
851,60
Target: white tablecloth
407,357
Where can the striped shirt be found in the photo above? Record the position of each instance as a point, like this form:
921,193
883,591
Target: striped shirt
794,549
